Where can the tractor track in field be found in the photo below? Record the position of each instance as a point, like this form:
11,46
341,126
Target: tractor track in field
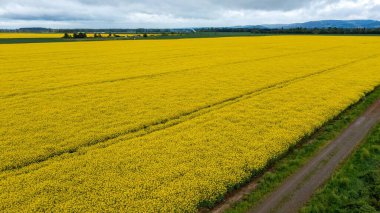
10,95
169,122
136,60
298,188
101,56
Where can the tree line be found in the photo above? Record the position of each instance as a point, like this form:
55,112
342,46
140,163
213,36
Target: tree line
331,30
96,35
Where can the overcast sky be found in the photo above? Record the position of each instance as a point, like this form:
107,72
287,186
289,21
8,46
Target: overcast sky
177,13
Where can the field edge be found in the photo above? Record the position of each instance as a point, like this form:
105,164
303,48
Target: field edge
278,169
361,161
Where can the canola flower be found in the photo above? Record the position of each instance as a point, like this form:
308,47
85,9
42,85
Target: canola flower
108,89
232,115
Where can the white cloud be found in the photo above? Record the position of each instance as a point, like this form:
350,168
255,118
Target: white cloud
175,13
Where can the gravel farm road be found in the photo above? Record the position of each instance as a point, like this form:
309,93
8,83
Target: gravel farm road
299,187
296,190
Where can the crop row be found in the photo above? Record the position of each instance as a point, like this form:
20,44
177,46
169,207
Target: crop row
195,162
38,126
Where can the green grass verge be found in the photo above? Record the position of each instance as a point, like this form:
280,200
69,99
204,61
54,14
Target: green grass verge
299,155
356,186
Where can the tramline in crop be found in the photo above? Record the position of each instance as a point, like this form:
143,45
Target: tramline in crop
163,125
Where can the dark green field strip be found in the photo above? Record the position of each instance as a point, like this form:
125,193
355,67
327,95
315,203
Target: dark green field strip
162,73
51,40
182,36
30,40
206,35
148,128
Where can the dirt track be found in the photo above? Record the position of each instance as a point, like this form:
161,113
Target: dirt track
298,188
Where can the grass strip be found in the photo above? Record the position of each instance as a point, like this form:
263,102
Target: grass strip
163,37
276,172
356,186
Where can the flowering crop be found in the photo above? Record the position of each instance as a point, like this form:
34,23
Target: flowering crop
164,125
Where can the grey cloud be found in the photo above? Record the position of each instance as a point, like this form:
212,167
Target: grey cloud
212,4
175,13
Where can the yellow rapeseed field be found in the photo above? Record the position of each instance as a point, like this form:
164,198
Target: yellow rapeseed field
164,125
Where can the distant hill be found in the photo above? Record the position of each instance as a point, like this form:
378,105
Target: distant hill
251,27
327,24
34,29
342,24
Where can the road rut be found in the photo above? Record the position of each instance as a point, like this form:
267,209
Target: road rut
298,188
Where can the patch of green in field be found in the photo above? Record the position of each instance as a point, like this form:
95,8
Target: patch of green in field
299,156
171,36
49,40
356,186
163,36
29,40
